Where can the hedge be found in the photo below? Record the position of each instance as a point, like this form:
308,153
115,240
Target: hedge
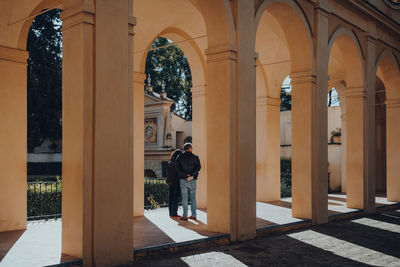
48,201
156,190
44,199
286,177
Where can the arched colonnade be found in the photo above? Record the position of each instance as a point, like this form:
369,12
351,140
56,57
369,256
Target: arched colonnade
239,53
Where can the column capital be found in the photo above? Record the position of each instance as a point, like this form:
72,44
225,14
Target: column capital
13,54
261,101
268,101
392,103
303,77
221,53
355,92
139,77
198,91
273,101
78,14
131,25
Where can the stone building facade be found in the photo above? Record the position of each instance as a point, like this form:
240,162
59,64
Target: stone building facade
164,131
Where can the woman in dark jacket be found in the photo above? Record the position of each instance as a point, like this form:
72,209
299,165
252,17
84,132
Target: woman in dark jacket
174,189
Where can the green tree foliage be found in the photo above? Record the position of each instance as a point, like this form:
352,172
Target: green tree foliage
44,79
169,64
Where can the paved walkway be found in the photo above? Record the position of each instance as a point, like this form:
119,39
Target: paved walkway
367,241
40,244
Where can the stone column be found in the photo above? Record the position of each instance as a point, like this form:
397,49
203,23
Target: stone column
355,138
343,151
393,149
13,138
138,143
268,149
320,117
302,86
231,131
97,132
370,127
309,131
199,131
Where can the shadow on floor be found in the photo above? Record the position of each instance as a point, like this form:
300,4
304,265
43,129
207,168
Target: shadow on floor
337,199
374,238
281,203
7,241
148,234
261,223
196,226
285,250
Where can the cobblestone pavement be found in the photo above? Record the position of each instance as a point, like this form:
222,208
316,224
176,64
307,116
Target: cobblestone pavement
368,241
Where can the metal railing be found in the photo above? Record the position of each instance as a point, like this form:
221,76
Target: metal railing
155,193
44,200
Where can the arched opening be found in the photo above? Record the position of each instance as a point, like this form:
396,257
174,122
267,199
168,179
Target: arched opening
282,32
380,127
44,116
167,112
168,30
387,112
286,138
334,141
40,34
346,73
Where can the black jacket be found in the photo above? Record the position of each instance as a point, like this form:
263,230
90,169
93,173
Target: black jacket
172,173
188,163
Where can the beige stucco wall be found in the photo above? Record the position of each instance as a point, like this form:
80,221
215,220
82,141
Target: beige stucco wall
334,150
13,142
181,125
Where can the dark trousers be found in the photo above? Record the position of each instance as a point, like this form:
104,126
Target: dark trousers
174,192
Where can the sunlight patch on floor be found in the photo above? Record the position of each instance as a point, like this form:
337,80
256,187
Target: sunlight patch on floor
212,259
345,249
39,245
178,231
275,214
378,224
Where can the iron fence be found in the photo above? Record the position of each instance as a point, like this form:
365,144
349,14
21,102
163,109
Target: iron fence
155,193
44,200
44,197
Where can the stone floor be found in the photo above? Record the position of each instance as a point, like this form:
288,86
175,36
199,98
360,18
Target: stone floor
40,244
368,241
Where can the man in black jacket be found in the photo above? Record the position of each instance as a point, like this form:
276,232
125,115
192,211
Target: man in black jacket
174,188
188,166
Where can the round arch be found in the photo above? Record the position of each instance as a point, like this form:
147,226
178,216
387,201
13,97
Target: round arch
190,49
388,70
346,65
40,6
219,21
344,45
297,31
